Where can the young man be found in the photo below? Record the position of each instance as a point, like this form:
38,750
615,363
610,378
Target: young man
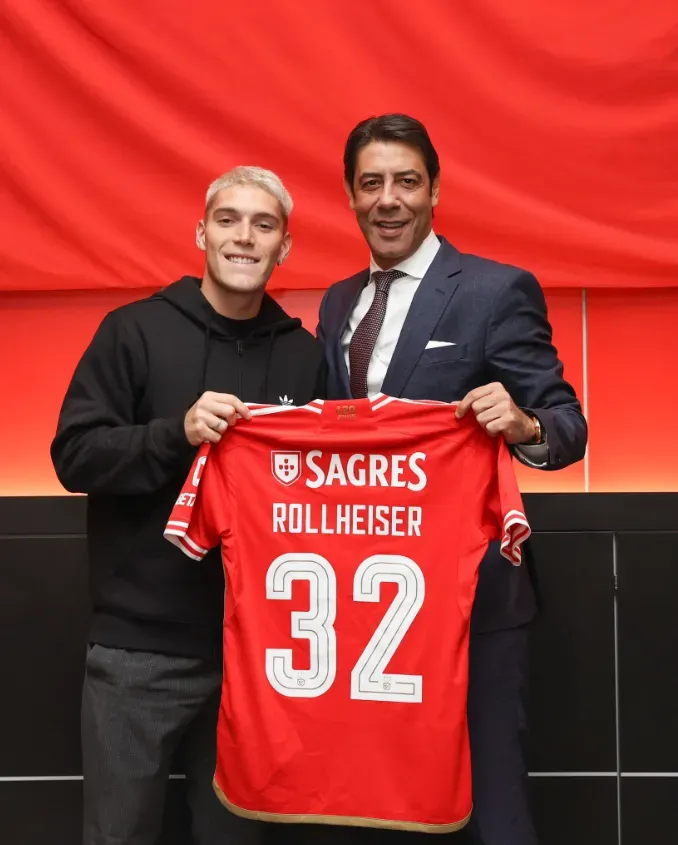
427,322
160,377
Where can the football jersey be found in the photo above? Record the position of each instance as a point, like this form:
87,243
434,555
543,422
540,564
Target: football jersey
351,535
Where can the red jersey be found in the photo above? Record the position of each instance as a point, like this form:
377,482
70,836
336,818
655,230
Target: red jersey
351,536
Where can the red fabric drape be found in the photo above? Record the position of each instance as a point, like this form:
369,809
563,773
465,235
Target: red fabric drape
556,123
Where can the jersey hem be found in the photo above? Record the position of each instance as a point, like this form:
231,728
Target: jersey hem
344,821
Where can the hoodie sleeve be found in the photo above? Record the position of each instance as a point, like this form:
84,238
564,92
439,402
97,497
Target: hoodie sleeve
97,447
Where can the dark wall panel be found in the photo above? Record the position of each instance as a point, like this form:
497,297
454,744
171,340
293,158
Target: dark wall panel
42,813
576,811
43,613
572,686
647,566
649,810
50,812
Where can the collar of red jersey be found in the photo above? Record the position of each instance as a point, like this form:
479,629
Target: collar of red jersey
376,401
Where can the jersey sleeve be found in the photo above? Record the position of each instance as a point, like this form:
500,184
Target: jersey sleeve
504,517
197,519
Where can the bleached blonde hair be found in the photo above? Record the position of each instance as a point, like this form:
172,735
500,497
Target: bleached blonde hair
267,180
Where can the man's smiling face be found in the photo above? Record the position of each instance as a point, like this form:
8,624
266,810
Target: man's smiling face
244,235
393,200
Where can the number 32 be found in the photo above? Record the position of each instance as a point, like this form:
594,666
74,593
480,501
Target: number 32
316,625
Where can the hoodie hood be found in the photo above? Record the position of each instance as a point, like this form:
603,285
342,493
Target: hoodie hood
271,321
186,296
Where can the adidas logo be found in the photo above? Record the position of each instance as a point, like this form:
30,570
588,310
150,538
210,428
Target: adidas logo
284,400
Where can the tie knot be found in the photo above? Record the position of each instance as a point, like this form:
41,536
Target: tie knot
382,278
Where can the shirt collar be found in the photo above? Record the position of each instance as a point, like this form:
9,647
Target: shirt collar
417,264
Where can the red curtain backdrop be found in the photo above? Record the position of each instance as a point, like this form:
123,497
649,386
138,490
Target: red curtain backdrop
557,127
556,123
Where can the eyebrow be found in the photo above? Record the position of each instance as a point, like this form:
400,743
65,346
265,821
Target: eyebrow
400,173
222,209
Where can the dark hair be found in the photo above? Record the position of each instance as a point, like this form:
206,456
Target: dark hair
390,127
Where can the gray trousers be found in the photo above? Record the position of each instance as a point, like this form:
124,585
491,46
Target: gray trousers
136,709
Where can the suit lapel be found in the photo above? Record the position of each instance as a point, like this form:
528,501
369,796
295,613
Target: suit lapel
429,303
348,297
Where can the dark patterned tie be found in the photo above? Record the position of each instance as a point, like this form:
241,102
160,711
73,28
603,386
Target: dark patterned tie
365,336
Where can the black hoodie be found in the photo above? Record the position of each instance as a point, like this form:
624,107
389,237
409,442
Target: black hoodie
121,440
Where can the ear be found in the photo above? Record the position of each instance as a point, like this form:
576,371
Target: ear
284,249
349,194
200,235
435,191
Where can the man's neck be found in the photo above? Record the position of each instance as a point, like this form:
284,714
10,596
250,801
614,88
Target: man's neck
389,264
382,263
235,306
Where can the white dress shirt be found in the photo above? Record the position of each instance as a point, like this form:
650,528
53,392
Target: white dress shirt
400,296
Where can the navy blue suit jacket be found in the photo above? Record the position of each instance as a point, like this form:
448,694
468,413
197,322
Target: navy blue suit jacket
496,317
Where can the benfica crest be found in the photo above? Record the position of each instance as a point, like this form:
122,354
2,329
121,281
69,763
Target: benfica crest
286,466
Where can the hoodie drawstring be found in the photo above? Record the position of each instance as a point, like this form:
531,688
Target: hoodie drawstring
269,357
239,346
206,353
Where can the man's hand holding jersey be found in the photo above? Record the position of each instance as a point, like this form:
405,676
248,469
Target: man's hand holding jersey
498,414
208,419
